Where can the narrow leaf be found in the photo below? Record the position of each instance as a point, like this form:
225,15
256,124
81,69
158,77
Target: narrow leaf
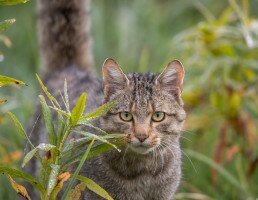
28,157
49,96
44,172
4,80
74,177
94,187
19,189
41,146
100,138
12,2
48,120
5,25
102,110
19,174
52,178
96,150
20,128
61,112
78,109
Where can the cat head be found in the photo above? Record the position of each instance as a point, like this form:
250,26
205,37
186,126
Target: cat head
149,107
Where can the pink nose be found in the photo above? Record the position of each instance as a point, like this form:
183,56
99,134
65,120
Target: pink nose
141,137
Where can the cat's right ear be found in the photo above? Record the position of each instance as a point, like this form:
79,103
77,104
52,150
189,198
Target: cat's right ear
114,78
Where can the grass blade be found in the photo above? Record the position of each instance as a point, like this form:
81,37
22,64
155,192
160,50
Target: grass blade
223,172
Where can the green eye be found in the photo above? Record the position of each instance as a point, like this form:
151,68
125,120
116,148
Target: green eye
158,116
126,116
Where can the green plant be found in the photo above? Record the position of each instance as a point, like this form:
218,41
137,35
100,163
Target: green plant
4,80
58,152
222,91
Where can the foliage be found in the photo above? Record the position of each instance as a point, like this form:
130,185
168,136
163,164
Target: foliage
222,55
4,80
58,152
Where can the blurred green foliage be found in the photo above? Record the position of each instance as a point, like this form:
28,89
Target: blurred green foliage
217,43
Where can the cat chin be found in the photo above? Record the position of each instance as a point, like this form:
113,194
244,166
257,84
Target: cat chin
141,149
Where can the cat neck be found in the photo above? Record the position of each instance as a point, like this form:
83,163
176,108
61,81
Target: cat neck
130,164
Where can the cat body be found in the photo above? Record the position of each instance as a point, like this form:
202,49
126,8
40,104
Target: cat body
149,108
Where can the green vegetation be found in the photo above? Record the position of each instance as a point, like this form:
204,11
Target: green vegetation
59,151
217,43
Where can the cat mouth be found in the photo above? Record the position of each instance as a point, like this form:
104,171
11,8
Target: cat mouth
141,148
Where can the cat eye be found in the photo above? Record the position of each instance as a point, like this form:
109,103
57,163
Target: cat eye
158,116
126,116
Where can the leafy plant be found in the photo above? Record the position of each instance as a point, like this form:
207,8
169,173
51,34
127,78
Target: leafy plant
222,96
4,80
59,151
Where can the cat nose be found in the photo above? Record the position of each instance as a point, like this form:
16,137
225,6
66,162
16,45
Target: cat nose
141,137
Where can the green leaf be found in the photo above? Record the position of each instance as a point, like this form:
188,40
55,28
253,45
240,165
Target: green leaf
5,25
61,126
74,146
48,120
94,187
100,138
12,2
61,112
52,178
49,96
41,146
102,110
20,128
75,175
28,157
19,174
4,80
44,172
78,109
96,150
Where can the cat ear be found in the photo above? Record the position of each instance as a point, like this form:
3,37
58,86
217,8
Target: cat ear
113,77
171,79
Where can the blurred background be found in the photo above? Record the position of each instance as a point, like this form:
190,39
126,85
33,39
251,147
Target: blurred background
217,41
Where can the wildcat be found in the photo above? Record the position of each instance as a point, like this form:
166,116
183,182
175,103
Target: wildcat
149,109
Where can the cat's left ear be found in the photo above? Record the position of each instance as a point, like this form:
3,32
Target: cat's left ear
171,79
